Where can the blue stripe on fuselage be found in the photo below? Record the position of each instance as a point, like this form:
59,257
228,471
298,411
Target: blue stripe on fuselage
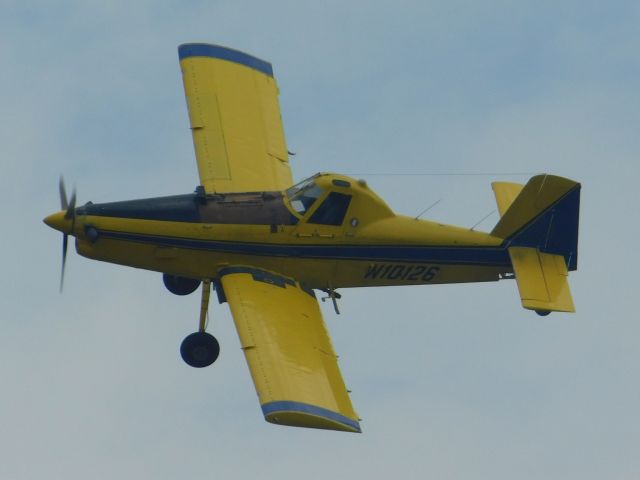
489,256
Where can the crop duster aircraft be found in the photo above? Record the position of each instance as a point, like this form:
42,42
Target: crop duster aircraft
264,244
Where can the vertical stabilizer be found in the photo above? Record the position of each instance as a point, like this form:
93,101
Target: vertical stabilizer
544,215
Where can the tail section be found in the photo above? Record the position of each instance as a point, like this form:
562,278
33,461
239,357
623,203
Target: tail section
542,215
540,226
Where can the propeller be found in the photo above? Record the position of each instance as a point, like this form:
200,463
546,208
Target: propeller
70,214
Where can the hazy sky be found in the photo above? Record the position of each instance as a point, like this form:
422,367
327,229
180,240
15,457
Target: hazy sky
452,382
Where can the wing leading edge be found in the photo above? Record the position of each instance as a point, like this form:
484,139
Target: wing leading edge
288,350
235,120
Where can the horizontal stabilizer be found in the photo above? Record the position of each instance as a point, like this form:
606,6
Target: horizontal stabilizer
542,280
505,193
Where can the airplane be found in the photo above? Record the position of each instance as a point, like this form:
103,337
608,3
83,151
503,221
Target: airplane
265,244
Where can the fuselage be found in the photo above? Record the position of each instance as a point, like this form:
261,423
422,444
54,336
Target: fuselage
328,232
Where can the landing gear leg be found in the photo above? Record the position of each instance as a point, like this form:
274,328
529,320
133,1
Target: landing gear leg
201,349
334,296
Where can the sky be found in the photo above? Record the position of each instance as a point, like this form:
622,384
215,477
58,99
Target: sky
451,381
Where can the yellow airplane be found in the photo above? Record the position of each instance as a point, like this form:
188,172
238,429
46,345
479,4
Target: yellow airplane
264,244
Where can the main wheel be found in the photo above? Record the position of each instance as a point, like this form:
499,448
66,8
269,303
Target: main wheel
180,285
200,349
543,313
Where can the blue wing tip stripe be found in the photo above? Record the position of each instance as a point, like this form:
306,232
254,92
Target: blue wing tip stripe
288,406
216,51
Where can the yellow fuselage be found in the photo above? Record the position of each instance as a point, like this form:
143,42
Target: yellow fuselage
371,247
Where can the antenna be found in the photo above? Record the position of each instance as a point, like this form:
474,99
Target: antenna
483,218
427,209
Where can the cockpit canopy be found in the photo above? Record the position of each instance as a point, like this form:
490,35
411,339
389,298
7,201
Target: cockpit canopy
304,195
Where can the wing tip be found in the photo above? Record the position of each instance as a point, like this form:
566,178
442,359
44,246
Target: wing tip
187,50
298,414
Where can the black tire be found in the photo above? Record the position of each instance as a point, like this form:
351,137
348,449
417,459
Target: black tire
180,285
200,349
543,313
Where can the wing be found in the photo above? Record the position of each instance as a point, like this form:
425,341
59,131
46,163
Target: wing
286,344
235,120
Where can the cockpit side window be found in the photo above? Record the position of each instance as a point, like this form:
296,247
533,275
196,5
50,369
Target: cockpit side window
303,195
332,211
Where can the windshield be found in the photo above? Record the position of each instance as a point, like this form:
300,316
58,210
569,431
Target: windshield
303,195
332,211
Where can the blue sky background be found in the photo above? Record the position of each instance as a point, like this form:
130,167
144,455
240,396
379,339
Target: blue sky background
453,382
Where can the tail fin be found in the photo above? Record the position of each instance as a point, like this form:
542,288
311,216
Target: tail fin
543,215
540,226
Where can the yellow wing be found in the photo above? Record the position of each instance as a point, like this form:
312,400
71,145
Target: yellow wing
234,112
286,344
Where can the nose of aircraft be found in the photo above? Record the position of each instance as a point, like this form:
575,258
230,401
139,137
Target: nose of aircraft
58,222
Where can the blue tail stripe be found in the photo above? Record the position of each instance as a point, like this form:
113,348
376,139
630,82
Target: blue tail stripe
555,230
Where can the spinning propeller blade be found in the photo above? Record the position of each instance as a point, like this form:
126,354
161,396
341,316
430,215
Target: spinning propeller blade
65,243
69,206
71,209
63,194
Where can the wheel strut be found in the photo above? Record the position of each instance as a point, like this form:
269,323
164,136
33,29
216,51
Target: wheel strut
204,305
